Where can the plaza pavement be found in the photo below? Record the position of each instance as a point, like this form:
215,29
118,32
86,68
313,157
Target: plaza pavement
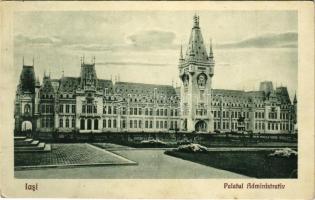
67,155
151,164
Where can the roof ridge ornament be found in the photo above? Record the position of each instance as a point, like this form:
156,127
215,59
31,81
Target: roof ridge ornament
196,21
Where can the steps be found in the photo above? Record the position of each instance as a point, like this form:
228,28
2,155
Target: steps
23,144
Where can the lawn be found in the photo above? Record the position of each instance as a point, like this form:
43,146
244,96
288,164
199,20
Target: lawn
250,163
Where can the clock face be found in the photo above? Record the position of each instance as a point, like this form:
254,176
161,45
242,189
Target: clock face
201,80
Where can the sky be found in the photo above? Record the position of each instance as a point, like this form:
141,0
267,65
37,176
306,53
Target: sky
143,46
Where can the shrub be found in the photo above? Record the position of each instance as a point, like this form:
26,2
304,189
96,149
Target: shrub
159,142
285,153
192,148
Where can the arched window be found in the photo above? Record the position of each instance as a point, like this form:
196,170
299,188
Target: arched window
115,110
109,123
124,123
135,111
27,109
67,123
114,123
96,124
61,123
131,124
165,124
82,124
73,122
109,110
89,124
104,123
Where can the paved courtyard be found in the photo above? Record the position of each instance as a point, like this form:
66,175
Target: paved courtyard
68,155
152,163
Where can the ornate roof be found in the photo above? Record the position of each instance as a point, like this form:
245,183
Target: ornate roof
145,89
283,95
103,83
27,79
47,87
68,84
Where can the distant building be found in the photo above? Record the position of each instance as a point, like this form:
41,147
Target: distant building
87,104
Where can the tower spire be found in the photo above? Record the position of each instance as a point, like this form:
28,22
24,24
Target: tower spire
33,61
294,100
210,51
181,52
23,60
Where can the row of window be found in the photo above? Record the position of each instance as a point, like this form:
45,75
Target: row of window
226,125
47,122
233,114
260,115
65,108
201,112
284,115
112,123
89,108
46,108
139,111
273,115
66,123
275,126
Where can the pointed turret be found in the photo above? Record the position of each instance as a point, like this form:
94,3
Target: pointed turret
181,53
37,83
294,100
196,49
210,50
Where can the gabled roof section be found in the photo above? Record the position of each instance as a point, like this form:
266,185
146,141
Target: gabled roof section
47,87
68,84
103,83
283,95
145,89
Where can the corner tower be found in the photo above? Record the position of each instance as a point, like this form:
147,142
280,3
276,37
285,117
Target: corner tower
24,112
196,72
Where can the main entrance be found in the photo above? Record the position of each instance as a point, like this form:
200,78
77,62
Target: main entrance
201,126
26,126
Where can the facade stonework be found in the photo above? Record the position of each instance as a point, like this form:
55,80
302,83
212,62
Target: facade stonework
87,104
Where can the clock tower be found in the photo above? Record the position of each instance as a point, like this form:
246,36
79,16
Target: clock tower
196,72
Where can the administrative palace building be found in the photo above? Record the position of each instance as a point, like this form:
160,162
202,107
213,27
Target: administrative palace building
87,104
